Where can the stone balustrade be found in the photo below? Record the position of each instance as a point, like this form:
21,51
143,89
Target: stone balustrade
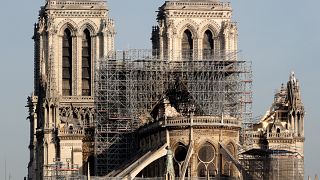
216,4
259,135
77,99
202,121
77,3
280,135
64,132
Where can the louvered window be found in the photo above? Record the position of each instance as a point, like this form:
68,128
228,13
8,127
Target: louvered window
67,63
86,63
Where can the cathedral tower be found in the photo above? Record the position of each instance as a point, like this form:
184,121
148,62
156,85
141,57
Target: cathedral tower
194,29
200,112
68,37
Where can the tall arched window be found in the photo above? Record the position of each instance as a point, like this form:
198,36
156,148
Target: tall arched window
187,44
180,154
86,63
208,45
67,63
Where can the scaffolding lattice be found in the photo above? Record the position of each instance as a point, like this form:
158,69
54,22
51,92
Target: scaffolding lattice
128,84
280,162
59,170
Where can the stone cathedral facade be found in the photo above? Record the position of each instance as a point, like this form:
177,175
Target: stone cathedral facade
68,37
191,125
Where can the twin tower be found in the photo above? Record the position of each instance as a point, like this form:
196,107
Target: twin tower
69,37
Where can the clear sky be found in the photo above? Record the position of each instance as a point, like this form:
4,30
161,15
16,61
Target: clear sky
277,36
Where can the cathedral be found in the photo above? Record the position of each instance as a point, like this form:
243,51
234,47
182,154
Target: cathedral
182,109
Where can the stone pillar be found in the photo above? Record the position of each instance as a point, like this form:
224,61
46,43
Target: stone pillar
78,65
45,116
105,44
50,117
51,148
56,118
219,159
292,122
170,49
295,125
161,48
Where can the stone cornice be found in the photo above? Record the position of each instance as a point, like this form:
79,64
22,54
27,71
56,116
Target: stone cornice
209,5
78,13
280,140
76,4
70,137
77,99
199,14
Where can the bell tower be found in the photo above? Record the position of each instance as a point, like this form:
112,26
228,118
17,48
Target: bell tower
195,29
68,38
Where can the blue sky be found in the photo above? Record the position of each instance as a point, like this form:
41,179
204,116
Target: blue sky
277,36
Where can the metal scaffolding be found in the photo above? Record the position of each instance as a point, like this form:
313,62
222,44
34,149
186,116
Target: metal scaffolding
128,84
280,162
59,170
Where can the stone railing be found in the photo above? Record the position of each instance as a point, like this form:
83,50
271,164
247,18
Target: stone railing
192,3
77,99
202,121
280,135
78,3
64,132
257,135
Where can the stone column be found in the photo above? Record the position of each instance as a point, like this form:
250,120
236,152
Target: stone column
105,44
78,65
75,55
200,49
170,49
59,65
45,116
295,125
49,116
161,48
292,122
94,58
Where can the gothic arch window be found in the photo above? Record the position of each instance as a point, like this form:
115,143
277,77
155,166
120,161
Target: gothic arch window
208,45
180,154
227,169
187,44
67,63
206,153
206,156
202,170
86,63
231,148
211,170
206,170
